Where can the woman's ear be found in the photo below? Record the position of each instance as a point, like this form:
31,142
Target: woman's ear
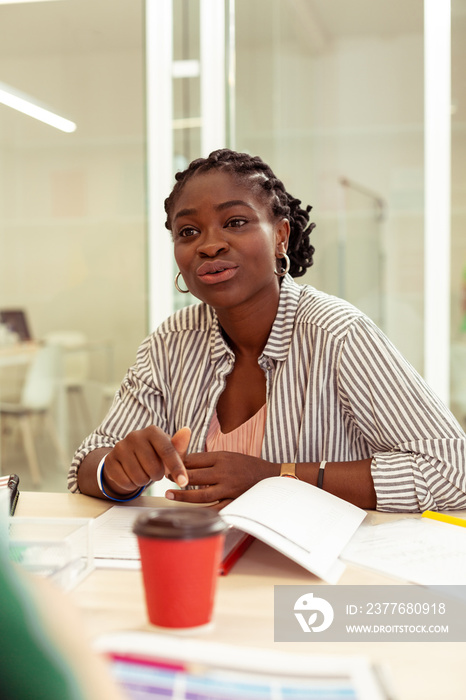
282,233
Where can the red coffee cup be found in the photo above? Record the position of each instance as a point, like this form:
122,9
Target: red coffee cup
181,550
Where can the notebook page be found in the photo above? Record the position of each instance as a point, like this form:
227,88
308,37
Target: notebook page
290,514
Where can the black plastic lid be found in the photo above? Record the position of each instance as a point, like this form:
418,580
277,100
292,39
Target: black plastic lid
179,523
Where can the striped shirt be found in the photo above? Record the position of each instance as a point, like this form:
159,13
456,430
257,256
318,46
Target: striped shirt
336,389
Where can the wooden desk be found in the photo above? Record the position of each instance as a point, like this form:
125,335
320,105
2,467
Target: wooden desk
17,354
114,601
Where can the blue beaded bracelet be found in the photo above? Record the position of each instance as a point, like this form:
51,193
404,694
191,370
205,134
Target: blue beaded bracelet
100,483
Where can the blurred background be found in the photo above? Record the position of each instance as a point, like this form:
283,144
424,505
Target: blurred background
331,95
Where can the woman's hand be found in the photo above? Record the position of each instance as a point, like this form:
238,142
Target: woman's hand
221,476
146,455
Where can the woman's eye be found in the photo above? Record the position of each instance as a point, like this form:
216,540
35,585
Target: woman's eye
187,232
236,223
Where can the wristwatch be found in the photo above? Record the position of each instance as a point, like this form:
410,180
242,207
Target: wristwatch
288,469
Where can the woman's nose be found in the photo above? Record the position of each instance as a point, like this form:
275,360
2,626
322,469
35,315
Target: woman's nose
212,244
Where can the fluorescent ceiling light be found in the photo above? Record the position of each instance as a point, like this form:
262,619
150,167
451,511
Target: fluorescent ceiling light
28,105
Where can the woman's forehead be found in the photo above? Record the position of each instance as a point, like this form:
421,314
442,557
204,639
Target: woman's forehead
219,185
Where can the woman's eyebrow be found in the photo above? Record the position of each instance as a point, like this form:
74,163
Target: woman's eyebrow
184,212
232,203
219,207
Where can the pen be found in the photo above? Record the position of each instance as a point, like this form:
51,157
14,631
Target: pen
444,518
235,553
152,662
11,482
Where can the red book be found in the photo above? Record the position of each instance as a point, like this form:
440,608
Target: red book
236,543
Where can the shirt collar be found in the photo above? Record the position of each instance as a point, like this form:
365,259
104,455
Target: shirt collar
278,343
218,345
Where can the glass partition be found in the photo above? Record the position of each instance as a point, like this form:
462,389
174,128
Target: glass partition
328,96
187,122
73,205
458,218
361,247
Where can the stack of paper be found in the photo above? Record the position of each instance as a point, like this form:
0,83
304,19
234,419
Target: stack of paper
420,550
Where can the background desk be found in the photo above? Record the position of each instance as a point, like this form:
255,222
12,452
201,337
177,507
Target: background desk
17,354
71,402
113,600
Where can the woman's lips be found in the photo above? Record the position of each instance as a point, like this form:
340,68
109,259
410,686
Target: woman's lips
215,272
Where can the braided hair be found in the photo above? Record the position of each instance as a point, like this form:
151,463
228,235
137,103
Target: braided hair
282,204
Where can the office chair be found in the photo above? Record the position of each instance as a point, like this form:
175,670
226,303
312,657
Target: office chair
76,365
36,400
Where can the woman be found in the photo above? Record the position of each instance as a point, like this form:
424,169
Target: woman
266,376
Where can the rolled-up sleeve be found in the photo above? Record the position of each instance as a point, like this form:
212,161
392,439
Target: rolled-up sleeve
139,402
419,448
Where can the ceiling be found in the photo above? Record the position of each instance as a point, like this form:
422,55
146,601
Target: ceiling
68,26
340,18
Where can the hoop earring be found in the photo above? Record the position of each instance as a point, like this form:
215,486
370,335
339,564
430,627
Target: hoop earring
183,291
282,273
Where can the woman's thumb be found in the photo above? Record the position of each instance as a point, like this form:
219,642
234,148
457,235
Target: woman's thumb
180,441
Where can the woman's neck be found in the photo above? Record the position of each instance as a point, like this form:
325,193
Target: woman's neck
248,327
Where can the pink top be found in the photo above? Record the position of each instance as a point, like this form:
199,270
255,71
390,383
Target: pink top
245,439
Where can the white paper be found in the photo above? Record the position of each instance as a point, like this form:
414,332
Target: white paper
423,551
115,545
303,522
